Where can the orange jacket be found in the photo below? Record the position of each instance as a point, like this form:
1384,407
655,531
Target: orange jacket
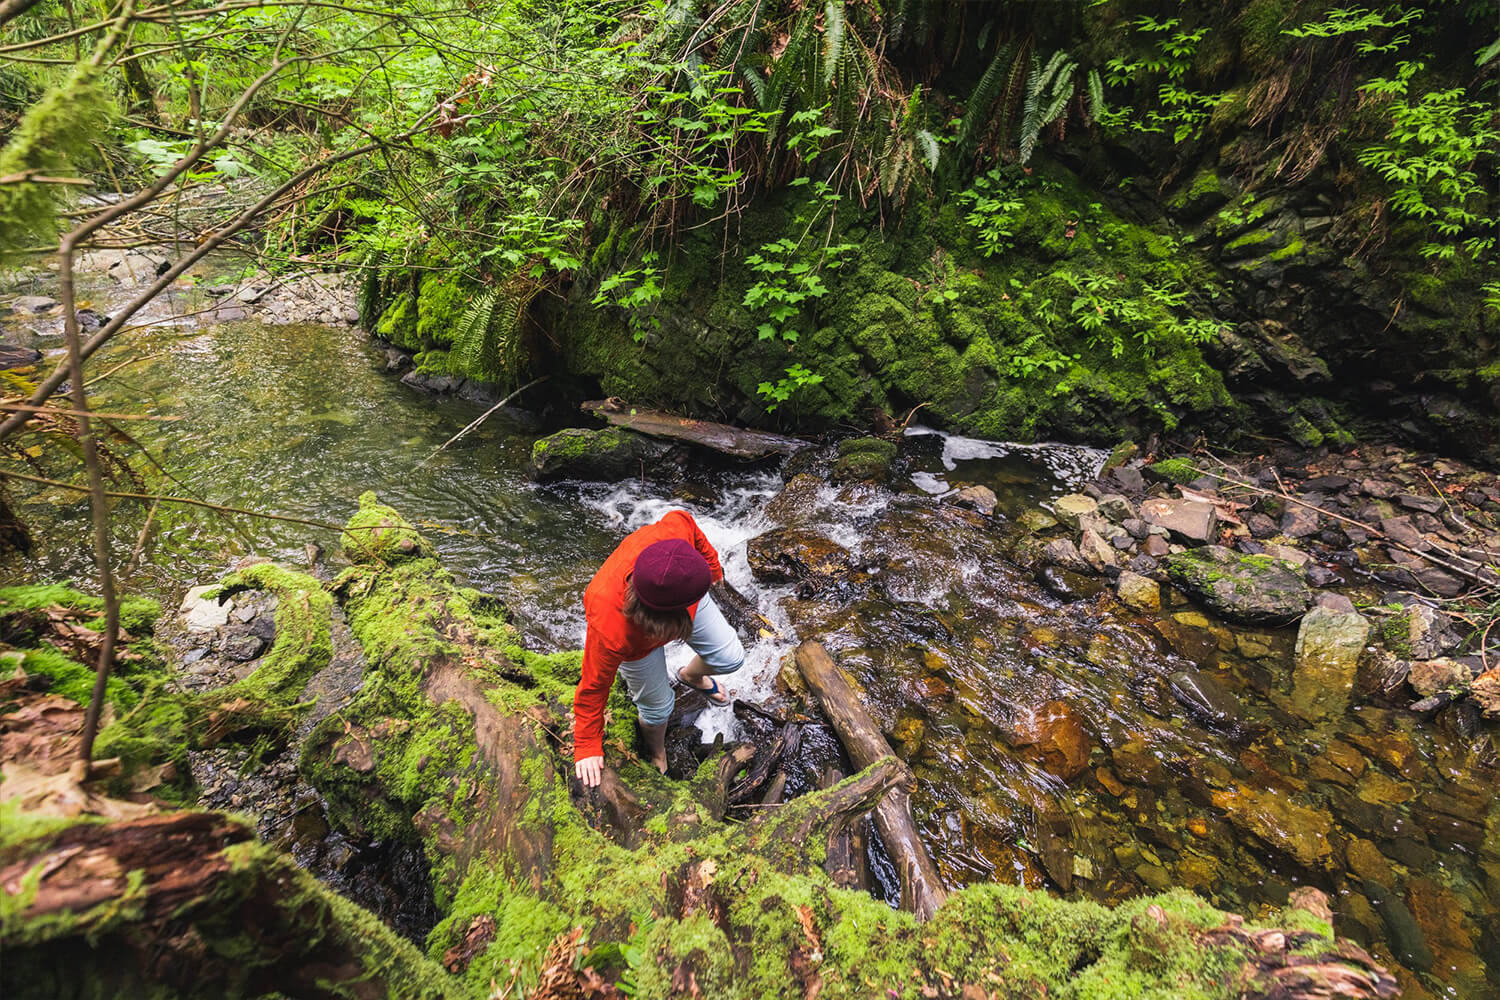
611,638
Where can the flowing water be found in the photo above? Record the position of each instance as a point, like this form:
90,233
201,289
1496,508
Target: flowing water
1051,737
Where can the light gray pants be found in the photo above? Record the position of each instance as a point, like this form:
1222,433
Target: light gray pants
647,679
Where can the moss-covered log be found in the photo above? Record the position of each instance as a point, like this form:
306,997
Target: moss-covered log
459,739
187,904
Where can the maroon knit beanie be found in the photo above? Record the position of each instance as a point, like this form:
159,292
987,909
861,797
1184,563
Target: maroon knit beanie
670,575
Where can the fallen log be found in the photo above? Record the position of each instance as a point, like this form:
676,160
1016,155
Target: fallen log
846,862
736,442
922,890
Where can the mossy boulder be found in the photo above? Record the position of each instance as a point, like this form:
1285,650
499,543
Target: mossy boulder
605,454
864,459
1242,588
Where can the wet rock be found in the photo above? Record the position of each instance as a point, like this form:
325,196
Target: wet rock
1135,762
865,459
1428,632
1295,830
1069,508
1321,576
1329,644
1054,731
1096,552
788,555
1189,520
980,498
201,614
1249,589
1068,584
798,502
1037,521
1403,932
1136,528
1138,591
609,454
1207,700
1062,552
1285,553
1117,508
1428,677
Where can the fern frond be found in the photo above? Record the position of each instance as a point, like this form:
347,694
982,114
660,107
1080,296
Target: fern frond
1097,105
930,150
833,38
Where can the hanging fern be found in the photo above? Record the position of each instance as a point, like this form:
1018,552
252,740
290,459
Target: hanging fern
833,38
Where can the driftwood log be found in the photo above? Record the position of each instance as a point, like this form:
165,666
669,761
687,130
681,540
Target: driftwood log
737,442
458,740
922,890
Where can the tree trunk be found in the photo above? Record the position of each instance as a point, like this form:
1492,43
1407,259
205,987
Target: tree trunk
459,738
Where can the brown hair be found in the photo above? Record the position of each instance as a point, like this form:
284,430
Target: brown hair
659,625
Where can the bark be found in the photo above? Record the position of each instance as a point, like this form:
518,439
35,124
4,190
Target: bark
846,863
736,442
922,890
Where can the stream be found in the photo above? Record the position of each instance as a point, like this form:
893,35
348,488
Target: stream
1049,747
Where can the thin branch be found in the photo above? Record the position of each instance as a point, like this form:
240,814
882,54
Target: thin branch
482,418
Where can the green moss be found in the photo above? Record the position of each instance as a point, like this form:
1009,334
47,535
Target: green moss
377,533
74,681
1177,470
1395,634
137,614
1253,238
1296,247
304,636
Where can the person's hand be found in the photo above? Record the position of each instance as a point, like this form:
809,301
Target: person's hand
589,771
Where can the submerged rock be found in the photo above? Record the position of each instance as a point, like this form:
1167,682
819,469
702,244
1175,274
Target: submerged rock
1295,830
1428,677
1206,700
1249,589
1056,732
607,454
1329,645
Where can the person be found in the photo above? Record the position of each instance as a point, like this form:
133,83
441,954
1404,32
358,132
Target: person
653,589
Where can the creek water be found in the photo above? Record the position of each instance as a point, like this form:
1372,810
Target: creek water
1050,737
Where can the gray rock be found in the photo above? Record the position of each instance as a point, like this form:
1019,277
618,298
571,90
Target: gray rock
1191,520
1428,632
1299,521
1286,553
1062,552
34,304
1335,602
200,614
246,646
1430,505
1261,526
1400,529
251,294
1098,553
1116,508
1069,508
1135,528
1321,576
1251,589
1439,582
1329,645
